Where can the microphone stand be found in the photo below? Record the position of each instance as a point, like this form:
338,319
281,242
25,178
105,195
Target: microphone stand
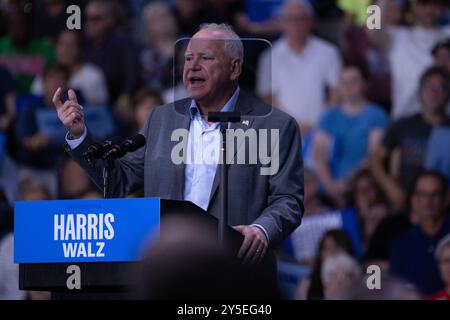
223,189
120,149
106,174
224,118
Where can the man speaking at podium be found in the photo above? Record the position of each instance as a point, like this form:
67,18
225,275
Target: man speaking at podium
264,208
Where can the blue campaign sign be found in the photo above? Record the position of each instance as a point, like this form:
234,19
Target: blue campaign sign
103,230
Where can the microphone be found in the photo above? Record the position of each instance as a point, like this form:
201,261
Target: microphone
128,145
97,150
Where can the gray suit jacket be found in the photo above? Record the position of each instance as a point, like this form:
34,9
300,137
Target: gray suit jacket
273,201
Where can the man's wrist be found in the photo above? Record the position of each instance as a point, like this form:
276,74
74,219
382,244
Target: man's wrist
261,228
75,142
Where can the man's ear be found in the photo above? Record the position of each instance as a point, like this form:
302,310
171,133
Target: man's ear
236,68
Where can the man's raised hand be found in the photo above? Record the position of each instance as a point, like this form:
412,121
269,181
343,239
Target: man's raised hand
70,113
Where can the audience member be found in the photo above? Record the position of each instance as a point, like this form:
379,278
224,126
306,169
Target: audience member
332,243
339,272
372,218
408,49
405,142
443,259
347,134
357,49
412,254
144,102
316,222
365,200
112,51
84,77
34,190
441,54
391,227
159,37
297,72
441,57
39,150
21,54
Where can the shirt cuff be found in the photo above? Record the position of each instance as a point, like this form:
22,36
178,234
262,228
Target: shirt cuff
73,143
263,230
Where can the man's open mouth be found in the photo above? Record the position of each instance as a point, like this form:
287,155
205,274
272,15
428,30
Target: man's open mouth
196,80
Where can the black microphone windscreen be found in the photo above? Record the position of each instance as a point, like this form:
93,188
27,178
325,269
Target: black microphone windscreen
137,142
115,140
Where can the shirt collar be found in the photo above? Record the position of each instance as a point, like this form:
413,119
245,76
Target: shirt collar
229,105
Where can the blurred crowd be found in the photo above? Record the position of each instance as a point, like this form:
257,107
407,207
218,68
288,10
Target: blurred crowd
372,105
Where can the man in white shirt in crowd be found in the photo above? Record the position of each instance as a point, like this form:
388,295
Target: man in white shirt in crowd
408,49
299,74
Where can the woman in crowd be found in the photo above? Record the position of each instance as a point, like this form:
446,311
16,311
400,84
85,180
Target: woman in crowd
332,243
85,77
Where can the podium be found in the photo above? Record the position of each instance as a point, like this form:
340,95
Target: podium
107,279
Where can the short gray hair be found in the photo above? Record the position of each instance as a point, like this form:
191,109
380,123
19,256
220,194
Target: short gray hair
232,42
442,245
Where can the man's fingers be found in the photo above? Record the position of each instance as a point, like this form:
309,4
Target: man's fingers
72,96
257,255
77,115
64,109
263,253
244,247
252,252
69,113
69,108
73,118
57,99
253,247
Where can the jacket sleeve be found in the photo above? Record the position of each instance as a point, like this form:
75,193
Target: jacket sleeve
127,173
285,202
